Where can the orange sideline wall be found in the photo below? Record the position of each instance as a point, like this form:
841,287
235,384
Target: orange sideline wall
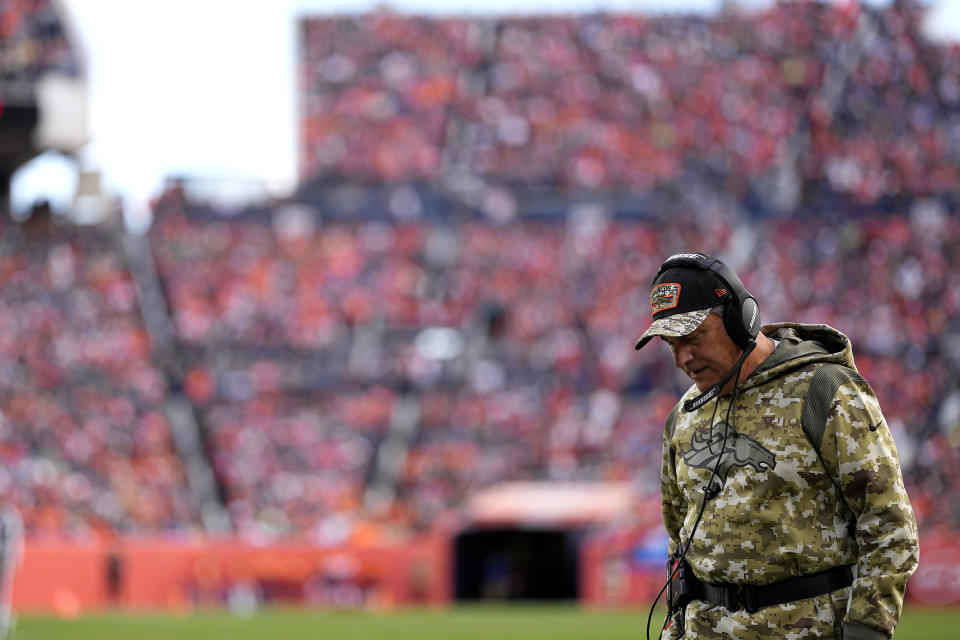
59,577
68,577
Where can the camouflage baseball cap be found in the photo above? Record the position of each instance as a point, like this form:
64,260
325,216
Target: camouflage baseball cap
681,300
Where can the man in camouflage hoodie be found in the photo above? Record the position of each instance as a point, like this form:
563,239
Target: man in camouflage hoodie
788,481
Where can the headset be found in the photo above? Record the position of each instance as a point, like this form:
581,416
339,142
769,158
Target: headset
741,314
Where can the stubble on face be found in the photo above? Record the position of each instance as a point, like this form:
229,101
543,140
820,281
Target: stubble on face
706,354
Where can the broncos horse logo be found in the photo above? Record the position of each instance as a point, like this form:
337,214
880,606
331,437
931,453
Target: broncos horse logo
739,451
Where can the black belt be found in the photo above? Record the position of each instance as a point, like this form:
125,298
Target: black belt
751,597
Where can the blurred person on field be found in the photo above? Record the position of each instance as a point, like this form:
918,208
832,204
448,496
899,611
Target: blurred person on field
781,486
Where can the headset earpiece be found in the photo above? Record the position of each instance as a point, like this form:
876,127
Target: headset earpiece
741,318
750,316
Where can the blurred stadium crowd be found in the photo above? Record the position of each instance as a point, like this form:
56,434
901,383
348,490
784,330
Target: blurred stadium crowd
451,299
32,42
605,101
85,442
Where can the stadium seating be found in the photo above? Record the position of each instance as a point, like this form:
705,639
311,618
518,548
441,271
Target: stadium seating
302,338
550,389
85,446
32,41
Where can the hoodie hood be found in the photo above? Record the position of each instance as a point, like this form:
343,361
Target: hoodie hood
799,345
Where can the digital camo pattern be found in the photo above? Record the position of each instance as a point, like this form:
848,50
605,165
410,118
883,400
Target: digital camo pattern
820,617
679,324
780,519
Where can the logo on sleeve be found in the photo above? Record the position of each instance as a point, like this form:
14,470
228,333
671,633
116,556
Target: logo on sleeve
739,451
664,296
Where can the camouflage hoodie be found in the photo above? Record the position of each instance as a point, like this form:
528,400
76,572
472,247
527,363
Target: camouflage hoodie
779,513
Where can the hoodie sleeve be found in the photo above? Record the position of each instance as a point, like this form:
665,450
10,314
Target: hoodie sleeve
860,454
674,506
673,502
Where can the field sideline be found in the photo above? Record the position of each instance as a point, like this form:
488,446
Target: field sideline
479,622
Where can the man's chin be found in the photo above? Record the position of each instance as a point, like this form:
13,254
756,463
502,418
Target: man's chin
703,384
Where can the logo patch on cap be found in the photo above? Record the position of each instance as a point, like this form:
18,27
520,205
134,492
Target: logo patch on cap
664,296
720,292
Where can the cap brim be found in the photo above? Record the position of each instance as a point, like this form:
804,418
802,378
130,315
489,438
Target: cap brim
679,324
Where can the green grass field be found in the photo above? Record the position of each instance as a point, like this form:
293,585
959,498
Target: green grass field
482,622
